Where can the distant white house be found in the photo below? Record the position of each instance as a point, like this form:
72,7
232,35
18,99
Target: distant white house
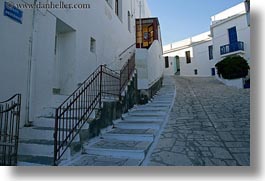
229,35
47,53
230,31
190,57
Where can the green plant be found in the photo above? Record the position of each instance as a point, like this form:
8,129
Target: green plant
232,67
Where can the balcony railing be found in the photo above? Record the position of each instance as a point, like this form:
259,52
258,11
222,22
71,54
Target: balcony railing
229,48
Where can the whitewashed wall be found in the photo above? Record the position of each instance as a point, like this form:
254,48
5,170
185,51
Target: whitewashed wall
99,22
149,63
233,17
171,69
221,37
198,47
14,55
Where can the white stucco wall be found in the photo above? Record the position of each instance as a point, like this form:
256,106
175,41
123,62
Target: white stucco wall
198,47
171,69
221,37
99,22
233,17
14,55
228,13
149,64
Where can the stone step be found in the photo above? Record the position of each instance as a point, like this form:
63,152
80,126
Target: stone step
147,113
98,160
142,119
151,109
119,149
29,160
157,104
31,149
138,125
33,133
154,104
162,101
133,131
44,122
49,112
128,137
131,134
40,133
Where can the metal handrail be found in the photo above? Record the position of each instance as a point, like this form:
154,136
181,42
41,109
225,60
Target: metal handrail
127,49
126,72
9,130
73,113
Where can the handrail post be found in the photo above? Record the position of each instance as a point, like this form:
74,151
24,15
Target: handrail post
55,137
100,86
128,70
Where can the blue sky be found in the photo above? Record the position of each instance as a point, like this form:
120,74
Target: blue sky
180,19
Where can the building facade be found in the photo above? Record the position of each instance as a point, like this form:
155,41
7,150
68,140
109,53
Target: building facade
229,35
149,55
190,57
47,52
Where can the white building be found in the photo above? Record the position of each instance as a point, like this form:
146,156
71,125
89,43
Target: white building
149,56
229,35
46,53
189,57
230,30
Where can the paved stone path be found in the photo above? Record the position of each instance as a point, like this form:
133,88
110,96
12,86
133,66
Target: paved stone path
209,125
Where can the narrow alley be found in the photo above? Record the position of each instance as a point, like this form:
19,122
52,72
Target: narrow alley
209,125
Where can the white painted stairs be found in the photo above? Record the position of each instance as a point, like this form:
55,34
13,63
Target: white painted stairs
132,136
36,143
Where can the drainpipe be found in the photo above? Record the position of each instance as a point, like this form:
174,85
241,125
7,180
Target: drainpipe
140,7
28,122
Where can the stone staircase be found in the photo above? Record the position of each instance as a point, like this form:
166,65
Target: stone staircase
36,143
127,144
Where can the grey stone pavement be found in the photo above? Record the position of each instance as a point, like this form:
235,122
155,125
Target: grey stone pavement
209,125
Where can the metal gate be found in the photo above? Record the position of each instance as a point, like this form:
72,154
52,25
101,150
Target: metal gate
9,130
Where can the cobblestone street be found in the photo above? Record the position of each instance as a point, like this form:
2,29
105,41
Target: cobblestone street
209,125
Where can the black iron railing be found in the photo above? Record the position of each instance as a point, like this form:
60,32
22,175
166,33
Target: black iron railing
9,130
71,116
229,48
126,73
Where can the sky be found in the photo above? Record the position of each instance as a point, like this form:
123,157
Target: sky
181,19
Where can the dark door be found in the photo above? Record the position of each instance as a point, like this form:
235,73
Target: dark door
233,39
213,71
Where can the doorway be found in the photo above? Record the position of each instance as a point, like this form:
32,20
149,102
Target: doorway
64,55
176,65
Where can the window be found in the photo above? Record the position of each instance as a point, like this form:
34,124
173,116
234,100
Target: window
195,72
92,45
129,21
118,8
166,62
210,49
188,58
